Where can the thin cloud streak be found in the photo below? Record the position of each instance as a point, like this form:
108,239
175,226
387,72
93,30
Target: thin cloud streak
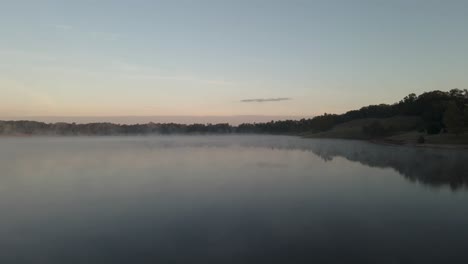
135,71
262,100
89,33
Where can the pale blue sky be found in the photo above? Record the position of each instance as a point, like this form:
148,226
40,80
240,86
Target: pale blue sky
204,57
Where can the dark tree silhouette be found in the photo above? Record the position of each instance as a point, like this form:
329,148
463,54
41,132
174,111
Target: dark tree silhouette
453,118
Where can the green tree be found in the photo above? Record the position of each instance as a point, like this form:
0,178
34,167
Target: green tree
465,116
453,118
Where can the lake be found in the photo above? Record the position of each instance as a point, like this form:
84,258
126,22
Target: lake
230,199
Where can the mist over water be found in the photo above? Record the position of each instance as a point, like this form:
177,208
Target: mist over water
229,199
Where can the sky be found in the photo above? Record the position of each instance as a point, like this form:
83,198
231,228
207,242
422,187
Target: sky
225,58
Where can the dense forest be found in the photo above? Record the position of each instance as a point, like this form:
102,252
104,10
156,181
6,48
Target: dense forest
441,112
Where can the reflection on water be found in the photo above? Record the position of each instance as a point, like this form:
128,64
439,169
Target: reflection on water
435,167
229,199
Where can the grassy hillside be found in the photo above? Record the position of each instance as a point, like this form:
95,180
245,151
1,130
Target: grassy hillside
354,129
402,130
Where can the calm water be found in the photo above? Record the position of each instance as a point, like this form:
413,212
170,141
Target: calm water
230,199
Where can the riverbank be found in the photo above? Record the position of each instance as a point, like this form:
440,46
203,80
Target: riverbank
445,140
389,142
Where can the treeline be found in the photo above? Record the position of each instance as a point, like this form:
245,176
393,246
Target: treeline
73,129
440,111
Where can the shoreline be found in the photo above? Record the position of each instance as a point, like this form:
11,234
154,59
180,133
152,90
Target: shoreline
390,142
398,143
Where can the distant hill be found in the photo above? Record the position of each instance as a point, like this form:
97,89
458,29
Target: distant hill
431,113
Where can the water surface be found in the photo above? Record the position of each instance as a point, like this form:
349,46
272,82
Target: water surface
230,199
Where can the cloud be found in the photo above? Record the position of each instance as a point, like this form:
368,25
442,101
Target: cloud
178,78
262,100
69,29
134,71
